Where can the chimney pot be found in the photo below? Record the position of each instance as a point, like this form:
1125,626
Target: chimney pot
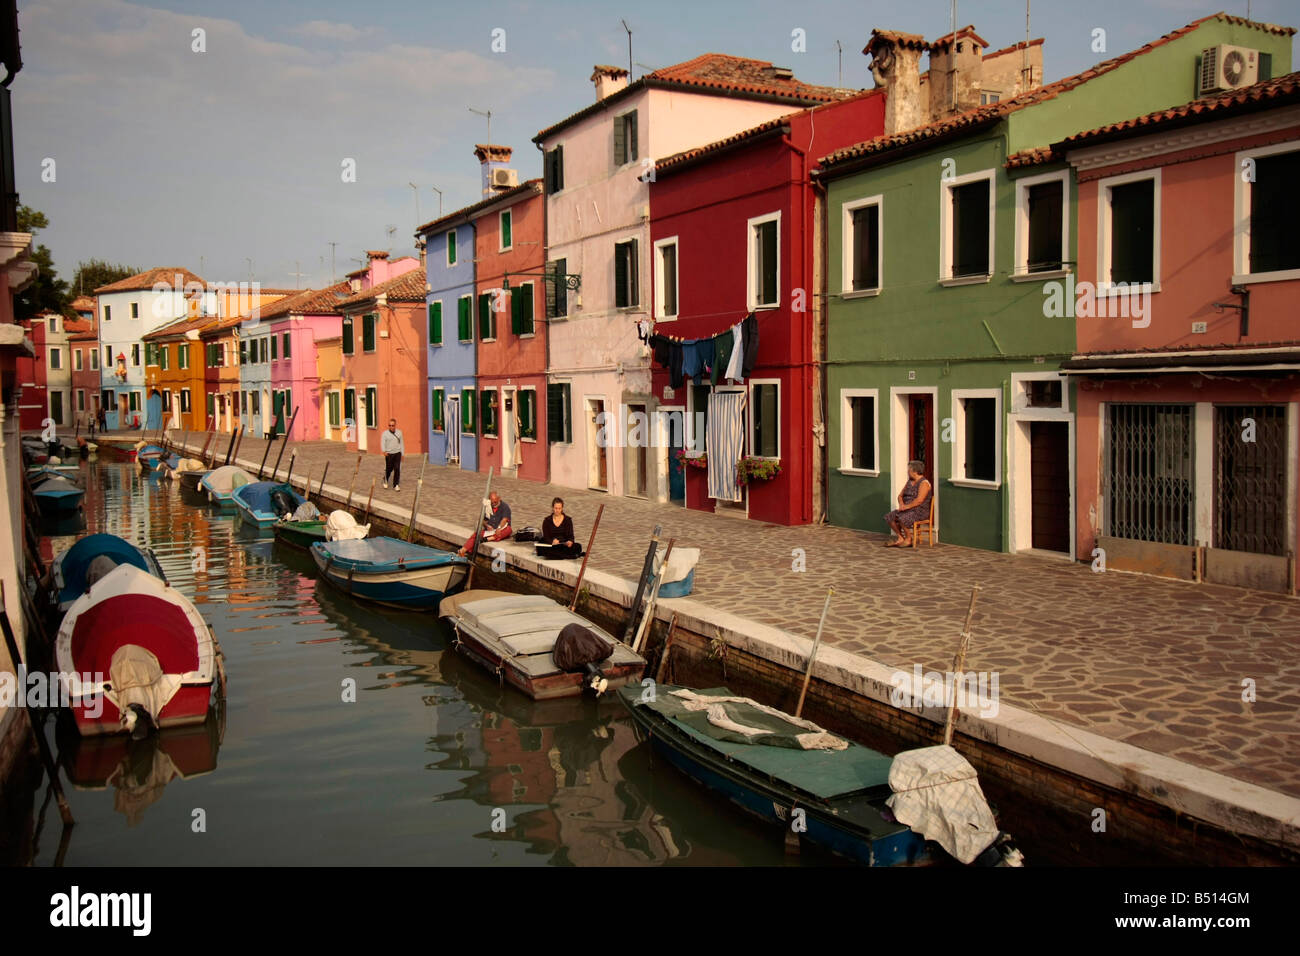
609,80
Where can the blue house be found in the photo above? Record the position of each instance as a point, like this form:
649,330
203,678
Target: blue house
453,424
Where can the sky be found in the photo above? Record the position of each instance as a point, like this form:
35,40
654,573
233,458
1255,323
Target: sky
229,161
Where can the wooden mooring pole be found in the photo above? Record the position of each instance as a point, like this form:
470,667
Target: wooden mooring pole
591,541
812,655
958,662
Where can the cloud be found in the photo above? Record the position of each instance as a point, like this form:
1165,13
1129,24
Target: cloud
331,30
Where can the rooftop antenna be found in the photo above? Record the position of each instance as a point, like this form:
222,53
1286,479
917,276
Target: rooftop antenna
1028,79
439,192
839,71
952,59
629,49
488,114
332,245
249,260
297,264
416,190
391,230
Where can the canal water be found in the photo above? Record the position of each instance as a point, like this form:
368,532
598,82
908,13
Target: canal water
433,763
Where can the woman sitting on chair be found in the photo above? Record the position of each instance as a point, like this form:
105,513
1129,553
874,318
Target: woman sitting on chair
913,505
556,539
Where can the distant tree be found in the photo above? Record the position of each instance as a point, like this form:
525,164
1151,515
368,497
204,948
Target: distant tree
95,273
47,292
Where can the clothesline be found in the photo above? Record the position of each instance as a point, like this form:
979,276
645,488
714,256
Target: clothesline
731,354
735,316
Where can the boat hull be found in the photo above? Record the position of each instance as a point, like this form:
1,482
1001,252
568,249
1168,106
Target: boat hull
59,504
300,534
550,686
420,590
189,706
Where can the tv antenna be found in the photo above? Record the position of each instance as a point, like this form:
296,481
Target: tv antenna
839,70
629,49
297,264
488,114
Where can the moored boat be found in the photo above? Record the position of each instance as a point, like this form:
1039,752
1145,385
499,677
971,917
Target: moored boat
220,483
263,503
150,456
57,495
136,655
526,640
852,799
390,571
302,534
74,570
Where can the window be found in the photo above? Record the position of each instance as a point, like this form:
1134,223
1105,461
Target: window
451,248
625,274
350,406
765,419
487,319
167,399
150,357
521,309
334,409
274,347
133,401
553,169
488,399
182,356
211,403
464,320
243,351
859,430
369,322
372,407
764,268
109,402
56,358
863,250
135,356
1128,232
1149,486
56,407
559,413
255,402
54,323
108,312
108,356
1041,224
135,310
347,335
977,450
76,360
164,356
966,224
557,290
625,138
435,323
666,278
528,414
286,345
1267,202
437,405
185,399
697,416
81,399
467,410
505,227
988,97
94,359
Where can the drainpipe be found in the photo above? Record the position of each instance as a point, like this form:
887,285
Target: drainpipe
817,304
821,302
546,319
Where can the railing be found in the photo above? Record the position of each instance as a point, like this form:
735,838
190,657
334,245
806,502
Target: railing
1149,484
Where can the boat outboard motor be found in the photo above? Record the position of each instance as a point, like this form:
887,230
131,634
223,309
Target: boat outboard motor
282,503
579,649
99,567
138,721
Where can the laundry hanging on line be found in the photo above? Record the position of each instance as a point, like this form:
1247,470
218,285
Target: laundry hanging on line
732,354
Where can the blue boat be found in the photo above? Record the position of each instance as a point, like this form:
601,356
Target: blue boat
70,572
149,456
56,495
390,571
782,770
219,485
263,503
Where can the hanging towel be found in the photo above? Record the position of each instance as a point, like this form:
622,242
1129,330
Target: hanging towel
722,443
693,358
750,329
736,363
724,348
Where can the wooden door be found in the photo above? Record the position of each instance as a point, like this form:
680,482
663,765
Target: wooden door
1049,477
920,432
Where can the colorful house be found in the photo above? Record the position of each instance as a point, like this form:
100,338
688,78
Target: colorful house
945,247
732,234
329,366
509,233
385,366
294,325
598,171
83,343
219,345
1188,408
175,367
32,377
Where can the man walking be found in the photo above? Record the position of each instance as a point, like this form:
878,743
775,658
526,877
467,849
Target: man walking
393,448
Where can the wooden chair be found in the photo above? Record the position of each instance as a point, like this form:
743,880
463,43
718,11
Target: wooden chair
926,524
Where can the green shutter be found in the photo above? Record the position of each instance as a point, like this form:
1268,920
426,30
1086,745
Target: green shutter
516,307
436,404
631,136
526,309
435,323
451,248
507,239
486,321
347,335
274,348
558,420
467,410
368,323
620,141
372,407
465,327
286,344
349,405
488,417
527,413
620,276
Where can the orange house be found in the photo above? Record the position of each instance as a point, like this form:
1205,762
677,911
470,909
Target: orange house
174,365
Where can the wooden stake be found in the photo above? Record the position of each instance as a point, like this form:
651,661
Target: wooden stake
324,471
668,646
284,444
958,662
812,655
265,455
647,620
288,475
419,482
478,530
239,443
353,484
306,488
231,447
370,499
646,568
577,587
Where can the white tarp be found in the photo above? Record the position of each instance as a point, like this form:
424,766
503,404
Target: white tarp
341,526
937,793
680,563
138,678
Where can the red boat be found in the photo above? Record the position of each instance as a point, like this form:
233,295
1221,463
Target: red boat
135,655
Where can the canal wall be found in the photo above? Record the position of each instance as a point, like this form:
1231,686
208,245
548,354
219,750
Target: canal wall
1106,801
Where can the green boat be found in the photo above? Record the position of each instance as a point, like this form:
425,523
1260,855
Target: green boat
300,534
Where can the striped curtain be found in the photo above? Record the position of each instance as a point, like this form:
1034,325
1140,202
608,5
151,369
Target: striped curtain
723,443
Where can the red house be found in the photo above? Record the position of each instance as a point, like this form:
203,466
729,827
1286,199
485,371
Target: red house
732,227
510,302
1188,360
32,379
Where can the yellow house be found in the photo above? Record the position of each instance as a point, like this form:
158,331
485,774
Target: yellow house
329,367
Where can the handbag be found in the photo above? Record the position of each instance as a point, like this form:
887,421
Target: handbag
528,534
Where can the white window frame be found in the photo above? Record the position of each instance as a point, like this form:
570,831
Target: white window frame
846,431
81,399
135,310
187,402
78,361
692,449
108,313
1021,271
440,390
751,296
659,246
501,231
473,320
1241,220
94,358
443,313
1104,286
51,354
846,251
958,466
749,430
519,391
135,355
946,186
1020,405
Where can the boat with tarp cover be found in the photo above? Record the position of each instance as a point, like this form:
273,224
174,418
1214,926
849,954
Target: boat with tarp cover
263,503
390,571
219,485
516,636
57,495
136,655
852,800
90,558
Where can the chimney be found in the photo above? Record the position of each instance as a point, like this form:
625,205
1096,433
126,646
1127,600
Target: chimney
896,66
496,177
609,80
955,74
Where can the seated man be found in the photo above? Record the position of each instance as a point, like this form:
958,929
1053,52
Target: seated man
496,527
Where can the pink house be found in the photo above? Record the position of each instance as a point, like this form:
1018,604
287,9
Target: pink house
297,323
1188,356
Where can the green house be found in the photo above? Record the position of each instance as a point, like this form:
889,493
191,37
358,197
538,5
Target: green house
950,245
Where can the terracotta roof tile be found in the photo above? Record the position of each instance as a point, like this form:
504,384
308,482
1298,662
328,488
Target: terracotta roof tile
408,287
83,303
1030,157
307,302
530,186
182,326
151,277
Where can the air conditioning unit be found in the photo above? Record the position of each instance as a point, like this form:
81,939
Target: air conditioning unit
1225,67
505,178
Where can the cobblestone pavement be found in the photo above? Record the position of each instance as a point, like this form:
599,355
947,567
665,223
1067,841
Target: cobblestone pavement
1154,663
